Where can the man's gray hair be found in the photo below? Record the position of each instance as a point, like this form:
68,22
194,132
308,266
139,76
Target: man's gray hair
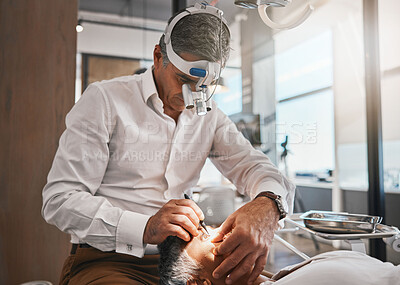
175,266
199,35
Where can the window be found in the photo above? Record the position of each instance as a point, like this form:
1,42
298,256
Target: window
304,112
230,102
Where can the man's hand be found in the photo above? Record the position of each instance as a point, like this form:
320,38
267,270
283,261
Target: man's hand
176,218
253,227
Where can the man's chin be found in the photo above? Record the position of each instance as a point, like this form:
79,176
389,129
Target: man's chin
178,104
180,108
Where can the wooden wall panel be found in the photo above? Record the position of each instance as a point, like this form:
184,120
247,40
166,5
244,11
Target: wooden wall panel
102,68
37,78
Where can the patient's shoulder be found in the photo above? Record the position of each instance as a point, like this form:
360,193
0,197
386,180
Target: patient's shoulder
341,267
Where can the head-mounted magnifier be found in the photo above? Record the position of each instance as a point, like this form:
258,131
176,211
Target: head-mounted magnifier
207,72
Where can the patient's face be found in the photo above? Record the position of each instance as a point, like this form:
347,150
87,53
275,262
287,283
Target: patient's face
200,249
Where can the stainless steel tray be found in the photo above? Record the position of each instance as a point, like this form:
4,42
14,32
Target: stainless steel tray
340,223
382,231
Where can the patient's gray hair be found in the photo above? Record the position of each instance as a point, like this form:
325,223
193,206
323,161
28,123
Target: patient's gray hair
175,266
199,35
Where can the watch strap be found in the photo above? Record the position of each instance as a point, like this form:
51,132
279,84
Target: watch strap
278,201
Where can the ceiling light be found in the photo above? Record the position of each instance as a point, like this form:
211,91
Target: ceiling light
262,6
79,27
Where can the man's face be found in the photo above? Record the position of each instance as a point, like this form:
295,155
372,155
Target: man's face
169,81
200,249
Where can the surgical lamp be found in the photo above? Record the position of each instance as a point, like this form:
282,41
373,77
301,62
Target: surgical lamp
262,6
207,72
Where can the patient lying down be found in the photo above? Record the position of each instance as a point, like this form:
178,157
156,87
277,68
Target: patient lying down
190,263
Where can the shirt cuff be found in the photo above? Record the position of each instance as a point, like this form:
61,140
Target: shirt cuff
130,230
275,188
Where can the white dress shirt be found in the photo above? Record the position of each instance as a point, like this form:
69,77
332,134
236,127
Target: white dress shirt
121,159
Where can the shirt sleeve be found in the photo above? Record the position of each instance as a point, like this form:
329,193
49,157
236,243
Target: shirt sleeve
250,170
69,197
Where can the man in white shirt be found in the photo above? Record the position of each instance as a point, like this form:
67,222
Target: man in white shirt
130,151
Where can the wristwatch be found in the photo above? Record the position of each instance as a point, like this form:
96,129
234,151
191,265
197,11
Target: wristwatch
278,201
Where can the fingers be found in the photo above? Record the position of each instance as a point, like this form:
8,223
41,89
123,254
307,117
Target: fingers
224,229
177,217
231,262
188,212
185,223
192,205
244,267
229,244
246,254
258,268
181,213
175,230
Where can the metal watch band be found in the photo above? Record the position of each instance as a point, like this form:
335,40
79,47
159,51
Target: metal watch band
277,200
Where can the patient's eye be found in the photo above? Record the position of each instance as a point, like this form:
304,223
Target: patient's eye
204,236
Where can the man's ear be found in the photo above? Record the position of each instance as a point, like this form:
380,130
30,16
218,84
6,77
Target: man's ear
157,56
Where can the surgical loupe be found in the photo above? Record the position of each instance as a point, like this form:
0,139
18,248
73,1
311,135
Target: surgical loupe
197,99
207,72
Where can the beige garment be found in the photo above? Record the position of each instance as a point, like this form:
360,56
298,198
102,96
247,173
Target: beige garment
338,268
92,266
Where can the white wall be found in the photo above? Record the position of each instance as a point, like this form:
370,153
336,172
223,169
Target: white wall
389,32
118,41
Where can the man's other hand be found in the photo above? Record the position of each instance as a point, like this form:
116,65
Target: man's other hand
253,227
176,218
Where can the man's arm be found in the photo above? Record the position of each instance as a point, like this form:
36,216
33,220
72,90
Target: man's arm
250,170
69,200
254,224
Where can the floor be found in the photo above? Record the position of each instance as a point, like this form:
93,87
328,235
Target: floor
283,257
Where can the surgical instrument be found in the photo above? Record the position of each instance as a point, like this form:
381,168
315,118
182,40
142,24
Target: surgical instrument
202,224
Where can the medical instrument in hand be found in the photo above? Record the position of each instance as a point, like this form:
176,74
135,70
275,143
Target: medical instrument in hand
207,72
263,5
202,224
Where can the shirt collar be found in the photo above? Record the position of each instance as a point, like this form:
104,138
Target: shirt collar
149,89
149,85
